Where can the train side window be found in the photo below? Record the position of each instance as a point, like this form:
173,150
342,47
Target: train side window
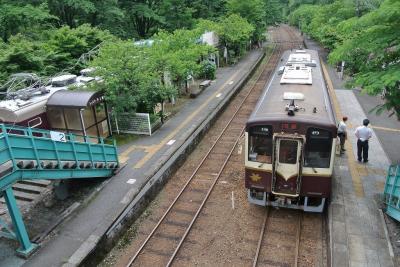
317,152
260,144
56,118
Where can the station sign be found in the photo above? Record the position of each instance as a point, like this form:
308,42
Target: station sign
58,136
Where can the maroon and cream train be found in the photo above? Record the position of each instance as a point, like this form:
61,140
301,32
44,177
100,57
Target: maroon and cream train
291,137
55,107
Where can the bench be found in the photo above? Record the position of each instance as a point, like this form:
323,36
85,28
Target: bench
204,84
195,92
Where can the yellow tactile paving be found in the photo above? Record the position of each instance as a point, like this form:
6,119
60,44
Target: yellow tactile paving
352,163
384,128
124,156
362,170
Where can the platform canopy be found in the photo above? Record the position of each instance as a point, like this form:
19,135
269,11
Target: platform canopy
79,112
75,99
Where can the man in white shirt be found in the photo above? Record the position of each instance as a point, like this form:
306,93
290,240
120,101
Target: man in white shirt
363,134
342,134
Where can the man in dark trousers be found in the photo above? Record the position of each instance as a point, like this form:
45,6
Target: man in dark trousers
342,133
363,134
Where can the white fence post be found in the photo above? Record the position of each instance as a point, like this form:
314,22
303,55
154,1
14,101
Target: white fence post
148,119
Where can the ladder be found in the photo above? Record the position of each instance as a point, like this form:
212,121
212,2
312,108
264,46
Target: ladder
32,154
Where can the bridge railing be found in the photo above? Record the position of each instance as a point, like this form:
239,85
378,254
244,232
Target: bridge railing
392,192
34,148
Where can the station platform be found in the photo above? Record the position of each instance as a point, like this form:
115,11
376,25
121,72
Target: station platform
145,160
356,224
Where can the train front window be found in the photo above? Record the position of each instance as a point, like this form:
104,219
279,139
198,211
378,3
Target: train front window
288,151
318,148
260,144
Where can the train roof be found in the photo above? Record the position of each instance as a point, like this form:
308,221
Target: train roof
17,110
34,103
298,77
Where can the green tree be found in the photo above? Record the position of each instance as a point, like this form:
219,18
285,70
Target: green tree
108,16
176,15
364,34
320,21
204,25
121,65
178,53
303,16
159,93
372,52
207,9
71,12
142,16
254,11
235,33
130,84
14,19
20,55
274,11
65,46
134,74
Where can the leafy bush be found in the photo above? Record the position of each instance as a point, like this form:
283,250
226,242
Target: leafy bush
207,70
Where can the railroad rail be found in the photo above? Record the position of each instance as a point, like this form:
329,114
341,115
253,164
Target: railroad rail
263,236
222,149
264,247
165,240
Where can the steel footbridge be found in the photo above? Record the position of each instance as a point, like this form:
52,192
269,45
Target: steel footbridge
34,154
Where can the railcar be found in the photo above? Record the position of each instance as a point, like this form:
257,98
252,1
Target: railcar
27,107
290,137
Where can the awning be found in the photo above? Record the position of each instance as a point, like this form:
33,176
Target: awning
74,99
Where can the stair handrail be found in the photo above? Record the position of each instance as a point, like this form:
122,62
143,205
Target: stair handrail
4,133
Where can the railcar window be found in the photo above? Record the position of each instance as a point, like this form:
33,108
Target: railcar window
288,151
260,144
318,148
56,118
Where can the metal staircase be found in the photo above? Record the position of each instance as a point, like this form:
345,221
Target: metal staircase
392,192
32,154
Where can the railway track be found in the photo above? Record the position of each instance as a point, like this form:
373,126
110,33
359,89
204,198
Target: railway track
290,238
188,204
285,228
188,231
284,237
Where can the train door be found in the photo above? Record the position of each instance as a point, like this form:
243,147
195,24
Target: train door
287,166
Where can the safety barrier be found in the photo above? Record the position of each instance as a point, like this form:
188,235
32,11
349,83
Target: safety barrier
392,192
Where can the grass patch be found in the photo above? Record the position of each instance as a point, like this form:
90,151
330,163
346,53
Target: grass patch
123,139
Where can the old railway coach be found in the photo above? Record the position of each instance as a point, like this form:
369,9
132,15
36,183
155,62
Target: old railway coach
291,137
